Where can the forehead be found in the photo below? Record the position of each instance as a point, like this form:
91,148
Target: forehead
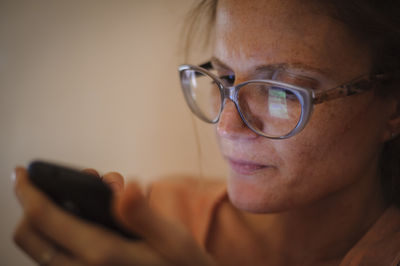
250,33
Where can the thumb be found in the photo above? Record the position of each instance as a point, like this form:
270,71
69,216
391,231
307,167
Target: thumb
115,181
128,204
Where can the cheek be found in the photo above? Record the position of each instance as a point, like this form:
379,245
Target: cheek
339,143
338,148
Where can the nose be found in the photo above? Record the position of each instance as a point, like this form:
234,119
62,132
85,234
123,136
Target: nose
231,125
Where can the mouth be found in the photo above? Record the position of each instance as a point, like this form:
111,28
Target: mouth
245,167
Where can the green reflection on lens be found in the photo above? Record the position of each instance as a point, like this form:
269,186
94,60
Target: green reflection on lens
277,103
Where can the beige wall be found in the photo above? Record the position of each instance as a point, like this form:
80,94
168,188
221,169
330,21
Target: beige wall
94,84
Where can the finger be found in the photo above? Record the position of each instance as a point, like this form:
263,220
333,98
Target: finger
39,248
170,239
92,243
91,171
115,181
42,250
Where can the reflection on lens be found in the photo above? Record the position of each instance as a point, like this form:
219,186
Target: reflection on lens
202,94
277,104
272,110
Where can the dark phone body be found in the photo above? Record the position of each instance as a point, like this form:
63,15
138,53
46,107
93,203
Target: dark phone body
79,193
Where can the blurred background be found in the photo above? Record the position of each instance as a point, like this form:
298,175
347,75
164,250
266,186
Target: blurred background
94,83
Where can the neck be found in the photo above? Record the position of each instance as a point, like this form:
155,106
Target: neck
322,231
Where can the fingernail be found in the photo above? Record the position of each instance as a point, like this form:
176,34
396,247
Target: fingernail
13,177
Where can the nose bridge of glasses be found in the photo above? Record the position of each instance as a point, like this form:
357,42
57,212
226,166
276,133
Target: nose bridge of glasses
229,93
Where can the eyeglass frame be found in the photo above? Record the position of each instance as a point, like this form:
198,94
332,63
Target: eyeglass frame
307,96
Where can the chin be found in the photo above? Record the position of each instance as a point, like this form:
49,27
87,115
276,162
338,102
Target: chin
255,194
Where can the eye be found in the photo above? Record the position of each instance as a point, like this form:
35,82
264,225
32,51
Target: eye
228,80
284,93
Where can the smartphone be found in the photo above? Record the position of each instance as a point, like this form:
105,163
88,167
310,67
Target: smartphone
82,194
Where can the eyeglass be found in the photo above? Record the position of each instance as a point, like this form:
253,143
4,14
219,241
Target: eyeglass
270,108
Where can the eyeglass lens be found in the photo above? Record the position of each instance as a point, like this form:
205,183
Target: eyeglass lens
266,108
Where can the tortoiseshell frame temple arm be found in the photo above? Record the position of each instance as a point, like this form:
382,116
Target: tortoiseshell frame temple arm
359,85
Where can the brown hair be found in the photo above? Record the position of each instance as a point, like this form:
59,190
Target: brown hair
374,22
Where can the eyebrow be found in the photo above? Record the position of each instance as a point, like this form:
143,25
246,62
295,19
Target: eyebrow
290,66
273,67
216,62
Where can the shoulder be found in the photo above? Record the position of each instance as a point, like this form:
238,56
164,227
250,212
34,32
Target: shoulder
380,245
188,200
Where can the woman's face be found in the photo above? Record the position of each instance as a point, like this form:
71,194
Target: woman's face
339,148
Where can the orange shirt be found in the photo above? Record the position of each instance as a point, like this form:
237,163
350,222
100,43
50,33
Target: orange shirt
194,203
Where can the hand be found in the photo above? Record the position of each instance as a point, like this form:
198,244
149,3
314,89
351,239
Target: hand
113,179
52,236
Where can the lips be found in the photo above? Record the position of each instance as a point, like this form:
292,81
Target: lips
245,167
